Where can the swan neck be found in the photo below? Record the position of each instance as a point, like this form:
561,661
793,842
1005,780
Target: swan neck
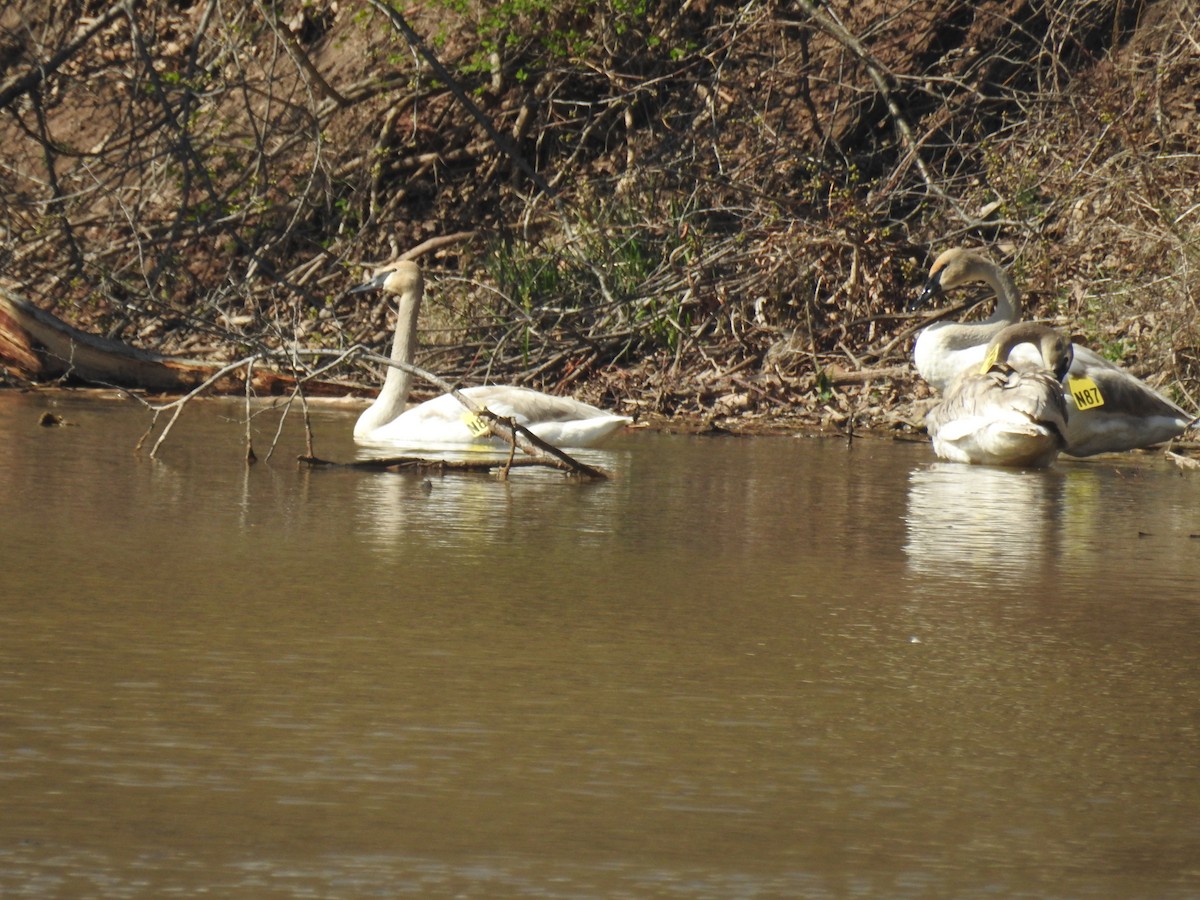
1008,299
396,383
1007,310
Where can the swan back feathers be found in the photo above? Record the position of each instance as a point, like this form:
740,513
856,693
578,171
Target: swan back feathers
997,415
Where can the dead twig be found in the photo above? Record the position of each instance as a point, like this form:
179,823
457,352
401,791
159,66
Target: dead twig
28,81
879,76
177,406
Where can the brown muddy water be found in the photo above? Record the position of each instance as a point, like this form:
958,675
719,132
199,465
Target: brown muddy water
768,667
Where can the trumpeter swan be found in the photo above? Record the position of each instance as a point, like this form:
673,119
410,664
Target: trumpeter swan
1109,409
561,421
996,415
944,349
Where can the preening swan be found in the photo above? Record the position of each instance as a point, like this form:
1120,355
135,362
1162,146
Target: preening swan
944,349
561,421
996,415
1109,410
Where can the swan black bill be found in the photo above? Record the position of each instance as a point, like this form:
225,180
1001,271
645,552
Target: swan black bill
932,290
1064,364
374,284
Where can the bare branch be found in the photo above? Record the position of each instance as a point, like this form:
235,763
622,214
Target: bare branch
22,84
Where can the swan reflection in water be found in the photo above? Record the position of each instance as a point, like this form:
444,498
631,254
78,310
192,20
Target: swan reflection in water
974,523
475,512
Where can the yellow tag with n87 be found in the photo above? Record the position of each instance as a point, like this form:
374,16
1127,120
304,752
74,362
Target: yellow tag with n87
475,424
1087,395
990,359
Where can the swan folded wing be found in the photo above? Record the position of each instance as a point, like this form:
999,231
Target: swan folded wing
529,406
1133,415
1002,417
561,421
1125,394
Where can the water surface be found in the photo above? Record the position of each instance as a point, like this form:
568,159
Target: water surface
742,668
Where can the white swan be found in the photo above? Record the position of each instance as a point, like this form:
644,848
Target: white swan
1109,409
561,421
996,415
944,349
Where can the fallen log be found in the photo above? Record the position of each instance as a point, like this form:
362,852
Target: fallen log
36,345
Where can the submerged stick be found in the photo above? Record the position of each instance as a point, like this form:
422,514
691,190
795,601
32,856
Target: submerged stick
418,463
251,457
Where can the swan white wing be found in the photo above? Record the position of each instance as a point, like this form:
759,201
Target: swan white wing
528,406
1133,415
561,421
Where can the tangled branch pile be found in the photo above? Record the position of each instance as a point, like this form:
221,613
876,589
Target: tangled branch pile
689,207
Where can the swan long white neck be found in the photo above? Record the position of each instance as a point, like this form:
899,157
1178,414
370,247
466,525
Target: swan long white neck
396,384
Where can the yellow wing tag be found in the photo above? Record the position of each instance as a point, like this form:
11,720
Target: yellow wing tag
990,359
475,424
1087,395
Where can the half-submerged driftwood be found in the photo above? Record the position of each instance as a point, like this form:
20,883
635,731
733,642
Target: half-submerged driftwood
441,466
38,346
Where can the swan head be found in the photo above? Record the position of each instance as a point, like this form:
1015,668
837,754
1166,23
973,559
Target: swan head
403,279
953,268
1059,353
1055,348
